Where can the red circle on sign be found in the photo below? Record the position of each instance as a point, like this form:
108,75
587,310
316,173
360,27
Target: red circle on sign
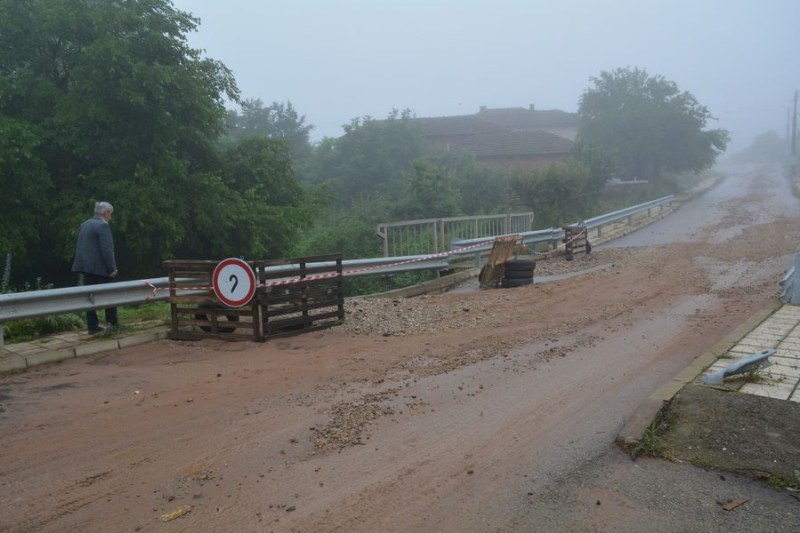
234,282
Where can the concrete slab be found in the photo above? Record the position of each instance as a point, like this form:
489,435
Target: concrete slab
786,371
634,428
22,348
667,391
768,391
49,356
705,360
140,338
92,348
688,374
12,362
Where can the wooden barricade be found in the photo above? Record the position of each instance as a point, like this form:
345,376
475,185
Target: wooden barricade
300,294
492,271
196,312
576,241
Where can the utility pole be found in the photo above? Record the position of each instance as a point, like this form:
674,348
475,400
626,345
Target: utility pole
794,136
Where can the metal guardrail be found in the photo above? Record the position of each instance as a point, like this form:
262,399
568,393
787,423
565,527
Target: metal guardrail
554,235
629,212
33,304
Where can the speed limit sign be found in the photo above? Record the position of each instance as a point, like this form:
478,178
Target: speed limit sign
234,282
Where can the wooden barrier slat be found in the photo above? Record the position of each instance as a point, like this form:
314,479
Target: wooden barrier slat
315,303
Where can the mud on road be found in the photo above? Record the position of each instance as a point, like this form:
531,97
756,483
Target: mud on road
488,411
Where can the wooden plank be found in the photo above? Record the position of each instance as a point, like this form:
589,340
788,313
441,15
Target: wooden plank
287,310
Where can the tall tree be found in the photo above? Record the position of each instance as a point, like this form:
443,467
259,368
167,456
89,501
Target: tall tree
370,158
277,121
111,104
560,194
430,192
255,209
648,124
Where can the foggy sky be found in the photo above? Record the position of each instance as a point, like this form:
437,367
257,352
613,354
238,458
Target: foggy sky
336,60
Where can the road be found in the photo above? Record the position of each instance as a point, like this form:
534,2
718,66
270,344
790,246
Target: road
488,411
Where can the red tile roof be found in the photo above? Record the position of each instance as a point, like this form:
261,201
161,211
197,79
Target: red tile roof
512,131
511,143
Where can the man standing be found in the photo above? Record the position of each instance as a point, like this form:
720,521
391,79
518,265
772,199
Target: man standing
94,258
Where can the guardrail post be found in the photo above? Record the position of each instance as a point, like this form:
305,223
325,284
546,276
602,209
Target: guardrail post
2,335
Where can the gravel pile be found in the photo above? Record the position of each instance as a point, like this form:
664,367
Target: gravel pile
437,313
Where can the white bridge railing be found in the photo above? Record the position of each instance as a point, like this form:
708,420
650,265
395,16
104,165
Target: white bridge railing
433,235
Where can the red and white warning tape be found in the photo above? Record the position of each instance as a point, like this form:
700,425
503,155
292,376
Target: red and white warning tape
313,277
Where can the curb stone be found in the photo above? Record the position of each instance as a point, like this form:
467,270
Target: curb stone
650,411
20,359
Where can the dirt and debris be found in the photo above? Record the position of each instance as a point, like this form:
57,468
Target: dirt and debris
492,410
742,433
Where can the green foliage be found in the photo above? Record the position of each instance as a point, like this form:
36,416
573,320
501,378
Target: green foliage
350,232
255,209
104,101
562,194
5,279
370,159
650,444
483,189
277,121
429,192
363,285
25,183
32,328
648,125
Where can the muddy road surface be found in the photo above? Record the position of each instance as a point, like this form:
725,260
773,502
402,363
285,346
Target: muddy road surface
493,410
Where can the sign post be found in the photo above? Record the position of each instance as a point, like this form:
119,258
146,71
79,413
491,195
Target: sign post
234,282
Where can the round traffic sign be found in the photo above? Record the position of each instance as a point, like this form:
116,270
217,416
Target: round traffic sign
234,282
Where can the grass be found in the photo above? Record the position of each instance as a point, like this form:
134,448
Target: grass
650,444
130,316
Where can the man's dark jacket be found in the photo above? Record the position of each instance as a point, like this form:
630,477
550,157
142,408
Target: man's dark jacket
94,251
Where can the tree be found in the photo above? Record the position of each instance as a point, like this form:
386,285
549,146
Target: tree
483,189
278,121
430,192
272,208
561,194
370,159
648,125
25,183
350,232
109,103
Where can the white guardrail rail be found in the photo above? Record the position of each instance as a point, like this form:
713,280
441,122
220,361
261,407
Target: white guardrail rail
33,304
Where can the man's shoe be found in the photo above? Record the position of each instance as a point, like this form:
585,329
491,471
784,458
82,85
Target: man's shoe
98,331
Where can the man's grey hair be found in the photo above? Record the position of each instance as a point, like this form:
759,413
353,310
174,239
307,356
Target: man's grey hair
103,207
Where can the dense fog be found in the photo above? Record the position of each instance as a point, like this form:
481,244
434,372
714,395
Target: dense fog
336,61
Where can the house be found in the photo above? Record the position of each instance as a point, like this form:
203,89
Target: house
515,138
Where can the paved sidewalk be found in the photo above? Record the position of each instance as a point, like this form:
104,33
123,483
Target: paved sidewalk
776,327
780,331
21,355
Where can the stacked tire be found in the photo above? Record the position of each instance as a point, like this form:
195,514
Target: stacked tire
518,272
